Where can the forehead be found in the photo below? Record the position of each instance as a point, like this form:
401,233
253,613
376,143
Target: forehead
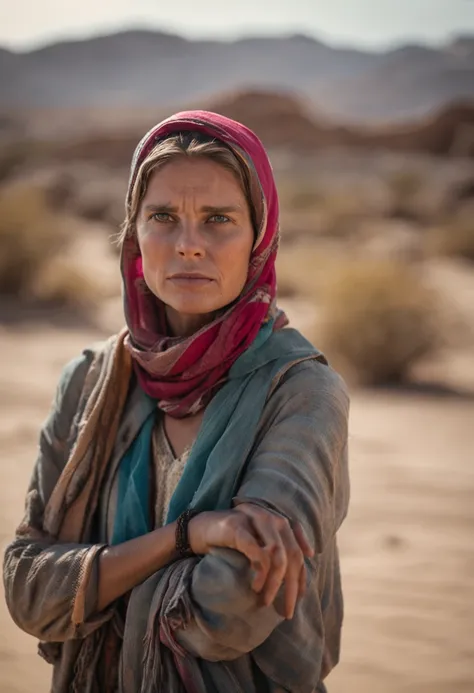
193,176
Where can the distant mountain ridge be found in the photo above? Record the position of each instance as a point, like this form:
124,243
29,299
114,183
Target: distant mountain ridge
144,68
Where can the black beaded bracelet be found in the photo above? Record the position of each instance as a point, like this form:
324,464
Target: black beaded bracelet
182,540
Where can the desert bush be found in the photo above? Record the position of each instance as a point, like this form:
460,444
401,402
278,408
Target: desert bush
343,213
405,184
303,196
34,264
404,187
377,321
455,239
18,153
60,282
300,207
334,214
302,269
30,234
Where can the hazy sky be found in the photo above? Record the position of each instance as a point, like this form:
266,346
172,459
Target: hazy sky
26,23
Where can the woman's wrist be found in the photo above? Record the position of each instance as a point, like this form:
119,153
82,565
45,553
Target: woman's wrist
182,538
197,535
161,544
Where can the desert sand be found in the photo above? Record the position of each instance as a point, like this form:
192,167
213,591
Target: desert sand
407,546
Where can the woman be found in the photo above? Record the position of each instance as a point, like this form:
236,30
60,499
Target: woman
180,523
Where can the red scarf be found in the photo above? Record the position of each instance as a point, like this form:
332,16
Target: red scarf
183,373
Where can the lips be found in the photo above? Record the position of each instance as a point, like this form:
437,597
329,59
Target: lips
190,280
191,276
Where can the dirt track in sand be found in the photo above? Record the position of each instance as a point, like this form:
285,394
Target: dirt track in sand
407,547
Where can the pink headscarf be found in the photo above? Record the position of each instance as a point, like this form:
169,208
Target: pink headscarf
183,373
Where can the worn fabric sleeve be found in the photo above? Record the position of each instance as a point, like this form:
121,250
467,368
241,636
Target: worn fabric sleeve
42,578
299,469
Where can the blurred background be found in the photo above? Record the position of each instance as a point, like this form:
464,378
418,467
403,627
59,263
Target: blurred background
367,110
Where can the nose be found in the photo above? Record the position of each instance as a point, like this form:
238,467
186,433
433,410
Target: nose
189,242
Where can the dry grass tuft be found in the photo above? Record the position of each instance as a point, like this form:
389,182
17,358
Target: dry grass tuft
34,264
302,269
30,234
404,187
377,321
456,239
308,211
62,283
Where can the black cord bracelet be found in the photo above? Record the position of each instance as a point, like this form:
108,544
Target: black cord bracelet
182,540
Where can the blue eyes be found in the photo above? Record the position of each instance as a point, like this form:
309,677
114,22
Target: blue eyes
161,216
164,217
218,219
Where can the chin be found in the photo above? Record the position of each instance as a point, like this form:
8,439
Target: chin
193,307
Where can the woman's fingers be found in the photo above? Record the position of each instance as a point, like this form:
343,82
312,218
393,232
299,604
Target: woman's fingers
274,547
285,547
237,532
307,550
277,571
302,539
302,581
295,562
252,511
230,530
264,525
285,556
247,543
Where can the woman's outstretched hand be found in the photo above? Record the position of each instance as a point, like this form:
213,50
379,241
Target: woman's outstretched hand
275,548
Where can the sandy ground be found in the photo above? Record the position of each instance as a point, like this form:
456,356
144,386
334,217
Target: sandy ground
407,547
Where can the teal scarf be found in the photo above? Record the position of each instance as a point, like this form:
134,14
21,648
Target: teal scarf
215,465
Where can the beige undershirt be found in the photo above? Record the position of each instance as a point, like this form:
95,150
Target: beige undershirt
168,470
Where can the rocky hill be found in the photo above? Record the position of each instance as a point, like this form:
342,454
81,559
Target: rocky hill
281,120
142,69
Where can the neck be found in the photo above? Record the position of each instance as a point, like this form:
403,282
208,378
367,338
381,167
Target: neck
184,325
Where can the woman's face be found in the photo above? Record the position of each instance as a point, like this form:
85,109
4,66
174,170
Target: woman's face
196,237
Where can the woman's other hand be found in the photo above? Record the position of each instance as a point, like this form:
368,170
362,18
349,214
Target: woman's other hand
275,548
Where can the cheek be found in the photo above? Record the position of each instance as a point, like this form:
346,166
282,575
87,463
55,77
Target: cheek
145,240
237,261
153,258
153,250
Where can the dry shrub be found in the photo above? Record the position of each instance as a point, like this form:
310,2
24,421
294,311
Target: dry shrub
303,195
301,209
454,240
308,212
343,212
404,186
30,234
60,282
34,242
377,321
18,153
302,269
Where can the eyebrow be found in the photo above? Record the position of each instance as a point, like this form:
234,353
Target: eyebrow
222,210
209,209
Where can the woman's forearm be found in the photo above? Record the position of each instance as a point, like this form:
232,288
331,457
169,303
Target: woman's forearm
124,566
